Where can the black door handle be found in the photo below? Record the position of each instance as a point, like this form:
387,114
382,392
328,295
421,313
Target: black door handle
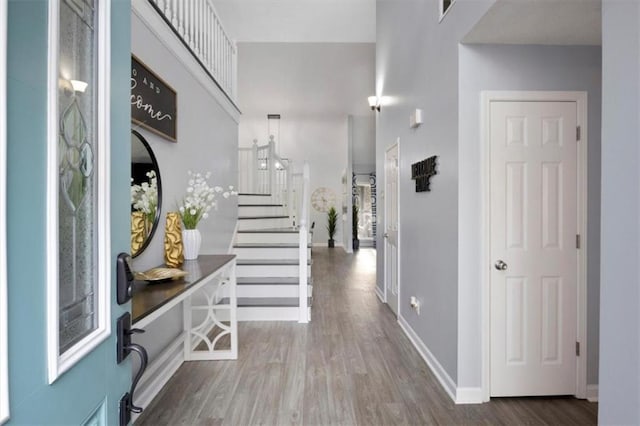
124,278
124,348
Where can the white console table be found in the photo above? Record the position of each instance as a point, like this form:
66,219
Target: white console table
207,322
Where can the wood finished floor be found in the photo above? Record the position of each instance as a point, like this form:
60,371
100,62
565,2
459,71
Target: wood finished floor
352,365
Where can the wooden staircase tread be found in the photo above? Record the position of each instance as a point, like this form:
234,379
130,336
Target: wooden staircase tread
260,205
267,281
275,262
270,281
268,245
263,217
266,302
269,231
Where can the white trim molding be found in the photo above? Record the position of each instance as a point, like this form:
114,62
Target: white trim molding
592,393
59,363
380,294
580,98
469,395
4,348
432,362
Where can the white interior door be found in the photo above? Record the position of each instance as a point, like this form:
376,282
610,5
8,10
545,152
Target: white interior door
533,248
391,227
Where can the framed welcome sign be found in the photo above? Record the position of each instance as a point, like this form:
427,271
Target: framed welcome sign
154,104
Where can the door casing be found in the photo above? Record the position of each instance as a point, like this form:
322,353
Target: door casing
386,254
580,98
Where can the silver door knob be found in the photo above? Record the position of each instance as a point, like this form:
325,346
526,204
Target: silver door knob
386,235
500,265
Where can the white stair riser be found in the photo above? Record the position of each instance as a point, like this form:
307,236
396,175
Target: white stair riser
268,314
255,199
261,211
267,237
269,270
268,252
269,290
244,224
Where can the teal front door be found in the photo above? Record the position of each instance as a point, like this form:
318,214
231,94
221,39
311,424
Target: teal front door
68,167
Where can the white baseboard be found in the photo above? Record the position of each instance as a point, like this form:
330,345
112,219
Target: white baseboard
592,393
158,373
445,380
380,294
469,395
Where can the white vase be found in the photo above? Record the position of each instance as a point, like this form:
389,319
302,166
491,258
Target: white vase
191,240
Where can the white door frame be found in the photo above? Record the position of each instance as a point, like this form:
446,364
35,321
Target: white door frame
386,200
580,98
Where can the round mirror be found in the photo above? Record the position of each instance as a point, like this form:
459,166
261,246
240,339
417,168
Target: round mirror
146,194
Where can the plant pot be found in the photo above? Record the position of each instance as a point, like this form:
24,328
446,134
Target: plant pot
356,244
331,243
191,240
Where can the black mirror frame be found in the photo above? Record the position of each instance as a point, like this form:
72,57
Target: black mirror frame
154,226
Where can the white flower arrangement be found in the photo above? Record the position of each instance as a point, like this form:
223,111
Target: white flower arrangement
200,199
144,197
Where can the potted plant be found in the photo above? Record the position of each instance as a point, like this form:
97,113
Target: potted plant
354,224
332,224
195,206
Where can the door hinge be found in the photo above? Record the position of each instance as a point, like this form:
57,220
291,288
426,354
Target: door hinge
577,241
578,133
577,348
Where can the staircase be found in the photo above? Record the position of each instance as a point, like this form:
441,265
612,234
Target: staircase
273,265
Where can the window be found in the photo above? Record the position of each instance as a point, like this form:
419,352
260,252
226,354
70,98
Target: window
78,181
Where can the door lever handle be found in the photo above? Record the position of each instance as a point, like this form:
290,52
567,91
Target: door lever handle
124,348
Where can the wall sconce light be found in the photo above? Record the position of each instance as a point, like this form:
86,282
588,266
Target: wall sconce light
374,103
79,86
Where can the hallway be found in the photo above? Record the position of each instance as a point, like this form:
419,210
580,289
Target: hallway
351,365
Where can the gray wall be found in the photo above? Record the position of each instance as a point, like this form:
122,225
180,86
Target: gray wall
491,67
417,67
364,144
620,275
207,141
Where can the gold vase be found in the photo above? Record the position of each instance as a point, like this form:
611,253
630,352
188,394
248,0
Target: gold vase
138,231
173,249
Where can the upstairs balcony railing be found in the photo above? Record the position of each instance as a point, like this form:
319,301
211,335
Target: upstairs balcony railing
198,26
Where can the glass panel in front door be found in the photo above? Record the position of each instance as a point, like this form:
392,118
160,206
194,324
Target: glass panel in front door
77,185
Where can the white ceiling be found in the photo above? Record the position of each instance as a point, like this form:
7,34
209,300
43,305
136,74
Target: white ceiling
338,21
551,22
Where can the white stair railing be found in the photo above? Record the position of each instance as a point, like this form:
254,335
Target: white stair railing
197,23
262,171
303,234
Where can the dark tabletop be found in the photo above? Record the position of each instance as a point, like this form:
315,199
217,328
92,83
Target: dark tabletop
149,297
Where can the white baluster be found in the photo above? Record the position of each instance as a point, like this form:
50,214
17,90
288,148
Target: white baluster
201,29
208,40
181,18
234,72
174,14
190,23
